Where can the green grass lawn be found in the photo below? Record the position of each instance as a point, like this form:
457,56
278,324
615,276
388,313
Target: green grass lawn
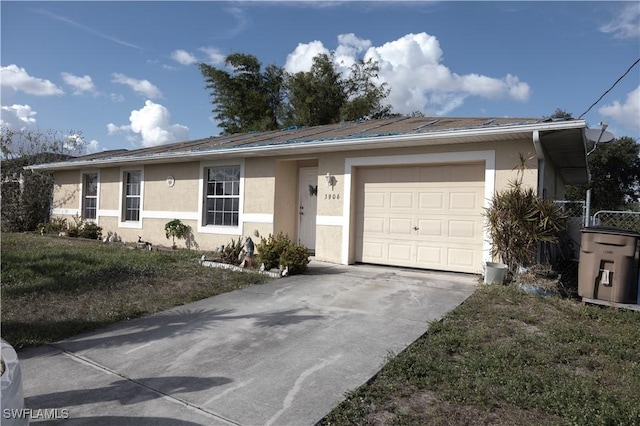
55,287
505,357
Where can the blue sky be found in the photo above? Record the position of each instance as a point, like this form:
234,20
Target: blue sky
125,74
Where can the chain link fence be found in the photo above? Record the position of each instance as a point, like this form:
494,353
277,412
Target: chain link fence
618,219
565,255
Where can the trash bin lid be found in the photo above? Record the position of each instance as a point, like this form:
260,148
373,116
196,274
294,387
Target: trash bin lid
611,230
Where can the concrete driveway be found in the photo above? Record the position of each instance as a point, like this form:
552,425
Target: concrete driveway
282,353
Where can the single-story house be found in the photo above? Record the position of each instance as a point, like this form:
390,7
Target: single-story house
405,191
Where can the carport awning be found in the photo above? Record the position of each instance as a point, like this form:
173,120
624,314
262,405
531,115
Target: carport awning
566,148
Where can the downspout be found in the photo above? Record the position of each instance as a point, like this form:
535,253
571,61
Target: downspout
541,162
541,166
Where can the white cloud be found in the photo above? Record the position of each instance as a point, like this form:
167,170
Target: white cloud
214,56
349,49
626,24
80,84
77,144
412,66
112,129
18,79
301,58
627,113
183,57
152,123
92,147
143,87
18,117
116,97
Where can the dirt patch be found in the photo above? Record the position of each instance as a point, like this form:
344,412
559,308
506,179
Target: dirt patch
420,407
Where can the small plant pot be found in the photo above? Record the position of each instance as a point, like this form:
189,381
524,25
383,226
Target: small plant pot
495,273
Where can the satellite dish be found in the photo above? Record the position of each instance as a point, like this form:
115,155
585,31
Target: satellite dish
598,135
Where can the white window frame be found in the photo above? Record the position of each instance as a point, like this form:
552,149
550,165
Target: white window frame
84,196
123,223
202,187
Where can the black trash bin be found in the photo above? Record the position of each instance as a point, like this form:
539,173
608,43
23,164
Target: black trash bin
608,267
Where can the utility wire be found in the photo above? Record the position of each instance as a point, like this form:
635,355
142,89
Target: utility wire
614,85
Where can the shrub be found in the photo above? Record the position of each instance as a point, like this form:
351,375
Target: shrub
518,220
90,231
280,250
231,253
84,229
296,257
176,229
57,225
270,249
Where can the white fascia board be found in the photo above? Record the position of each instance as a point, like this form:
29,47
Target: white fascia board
319,145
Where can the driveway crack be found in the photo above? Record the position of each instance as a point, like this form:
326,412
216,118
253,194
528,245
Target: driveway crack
93,364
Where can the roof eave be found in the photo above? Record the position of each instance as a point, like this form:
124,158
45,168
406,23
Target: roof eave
307,147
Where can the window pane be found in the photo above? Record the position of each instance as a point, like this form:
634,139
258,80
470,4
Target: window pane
90,208
222,196
91,184
133,183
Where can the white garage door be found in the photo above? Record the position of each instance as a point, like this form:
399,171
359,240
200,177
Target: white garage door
421,216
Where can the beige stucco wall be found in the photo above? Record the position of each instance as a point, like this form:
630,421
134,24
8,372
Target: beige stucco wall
66,191
109,180
285,218
329,243
271,191
259,185
183,196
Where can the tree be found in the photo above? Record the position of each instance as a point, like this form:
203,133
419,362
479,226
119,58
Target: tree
560,113
27,194
316,96
615,175
246,99
364,96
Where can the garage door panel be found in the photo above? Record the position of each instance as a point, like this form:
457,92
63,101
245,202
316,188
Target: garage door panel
459,257
374,225
375,199
422,216
373,251
429,255
401,200
430,227
431,200
463,201
400,252
462,229
400,226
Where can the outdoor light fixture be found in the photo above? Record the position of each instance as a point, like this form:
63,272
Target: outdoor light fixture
331,180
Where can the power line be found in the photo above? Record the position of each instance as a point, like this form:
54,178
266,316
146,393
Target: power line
614,85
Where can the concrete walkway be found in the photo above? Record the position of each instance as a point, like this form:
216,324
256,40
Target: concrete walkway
282,353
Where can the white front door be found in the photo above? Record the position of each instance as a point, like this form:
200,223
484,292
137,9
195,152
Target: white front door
307,204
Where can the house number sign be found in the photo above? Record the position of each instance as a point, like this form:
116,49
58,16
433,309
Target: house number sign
331,196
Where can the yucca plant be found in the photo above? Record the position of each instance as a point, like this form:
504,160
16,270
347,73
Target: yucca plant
518,220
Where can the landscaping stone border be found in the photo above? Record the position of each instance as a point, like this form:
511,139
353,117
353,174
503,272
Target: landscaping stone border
214,264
